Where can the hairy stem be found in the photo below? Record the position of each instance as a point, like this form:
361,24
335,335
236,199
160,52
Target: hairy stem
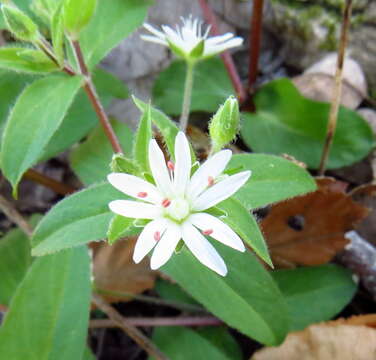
160,321
226,56
333,115
12,214
128,328
255,42
94,99
187,96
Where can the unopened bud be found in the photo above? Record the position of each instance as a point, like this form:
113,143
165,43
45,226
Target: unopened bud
224,124
20,24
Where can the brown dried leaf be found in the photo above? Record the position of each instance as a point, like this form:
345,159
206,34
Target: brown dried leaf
309,230
343,339
115,271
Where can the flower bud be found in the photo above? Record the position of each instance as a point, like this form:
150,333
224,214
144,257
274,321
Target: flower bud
224,124
20,24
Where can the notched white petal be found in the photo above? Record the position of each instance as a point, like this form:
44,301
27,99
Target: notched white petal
221,191
183,163
135,209
202,249
217,230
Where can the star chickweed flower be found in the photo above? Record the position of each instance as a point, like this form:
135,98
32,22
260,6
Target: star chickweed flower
190,41
177,205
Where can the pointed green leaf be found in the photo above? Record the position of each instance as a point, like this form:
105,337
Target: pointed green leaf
287,122
113,21
36,116
76,220
247,298
242,222
273,179
57,34
187,344
315,294
118,228
25,60
77,14
142,140
49,314
91,159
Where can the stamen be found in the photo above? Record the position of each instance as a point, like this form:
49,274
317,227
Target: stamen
157,236
171,165
208,232
210,181
142,194
166,203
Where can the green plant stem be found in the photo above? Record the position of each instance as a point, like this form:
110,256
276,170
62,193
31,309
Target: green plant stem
187,96
333,115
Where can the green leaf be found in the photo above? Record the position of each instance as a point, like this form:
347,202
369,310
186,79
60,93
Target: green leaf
315,294
88,354
164,124
77,14
81,118
36,116
76,220
142,140
91,160
241,221
173,292
211,87
247,298
273,179
113,21
118,228
187,344
25,60
286,122
57,34
11,85
50,310
15,259
108,83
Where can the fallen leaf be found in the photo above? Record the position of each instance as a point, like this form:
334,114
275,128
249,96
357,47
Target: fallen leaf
343,339
309,230
366,196
115,271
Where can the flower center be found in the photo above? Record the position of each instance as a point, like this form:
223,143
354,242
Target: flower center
178,209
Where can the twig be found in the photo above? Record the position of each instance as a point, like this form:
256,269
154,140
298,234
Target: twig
333,115
153,300
360,257
128,328
226,55
12,214
48,182
94,99
254,43
163,321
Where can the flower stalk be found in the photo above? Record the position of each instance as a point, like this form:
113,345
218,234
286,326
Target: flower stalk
187,99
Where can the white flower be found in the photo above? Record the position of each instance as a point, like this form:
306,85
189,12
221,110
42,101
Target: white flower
189,41
176,205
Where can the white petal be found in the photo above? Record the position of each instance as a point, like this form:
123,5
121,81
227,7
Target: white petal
135,187
183,163
221,191
154,39
154,31
221,231
202,249
146,240
159,169
135,209
218,39
213,167
166,246
218,48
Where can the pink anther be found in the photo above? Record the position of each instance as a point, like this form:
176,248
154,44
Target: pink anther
210,181
157,236
142,194
171,165
166,203
208,232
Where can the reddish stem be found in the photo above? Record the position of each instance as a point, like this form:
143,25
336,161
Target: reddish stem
162,321
255,42
210,18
